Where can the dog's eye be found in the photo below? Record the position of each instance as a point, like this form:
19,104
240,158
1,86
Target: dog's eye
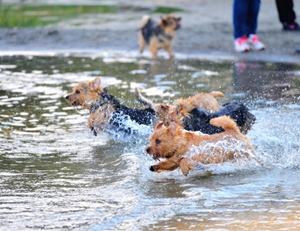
77,92
157,141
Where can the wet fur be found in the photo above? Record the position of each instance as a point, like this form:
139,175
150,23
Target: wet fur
198,119
165,112
158,36
173,142
85,93
110,110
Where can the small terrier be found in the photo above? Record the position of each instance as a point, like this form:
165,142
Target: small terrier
206,101
109,110
173,142
158,36
197,119
85,93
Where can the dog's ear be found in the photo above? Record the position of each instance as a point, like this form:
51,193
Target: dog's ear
172,127
164,107
95,84
178,19
164,21
105,90
159,125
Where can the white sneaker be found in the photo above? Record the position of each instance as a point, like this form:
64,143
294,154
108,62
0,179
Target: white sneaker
254,43
241,45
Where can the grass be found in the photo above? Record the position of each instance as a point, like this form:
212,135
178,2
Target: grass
34,16
167,10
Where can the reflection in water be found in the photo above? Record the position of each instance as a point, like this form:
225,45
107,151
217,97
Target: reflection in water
267,82
56,175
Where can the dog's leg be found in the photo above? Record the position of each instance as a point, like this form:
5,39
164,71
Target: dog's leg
153,50
142,42
186,165
164,166
169,50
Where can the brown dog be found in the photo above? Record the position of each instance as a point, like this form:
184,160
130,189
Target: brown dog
173,142
158,36
165,112
85,93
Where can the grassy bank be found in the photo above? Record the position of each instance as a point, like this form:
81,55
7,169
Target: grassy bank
41,15
33,16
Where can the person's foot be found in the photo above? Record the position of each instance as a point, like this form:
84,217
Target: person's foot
291,26
297,50
254,43
241,45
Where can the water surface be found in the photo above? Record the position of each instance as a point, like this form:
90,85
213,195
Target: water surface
55,175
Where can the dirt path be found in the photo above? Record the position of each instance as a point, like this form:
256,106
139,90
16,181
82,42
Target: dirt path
206,32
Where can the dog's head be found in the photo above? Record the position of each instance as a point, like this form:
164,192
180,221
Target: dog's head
165,141
85,92
170,22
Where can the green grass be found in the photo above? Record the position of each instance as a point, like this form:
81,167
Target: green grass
167,10
34,16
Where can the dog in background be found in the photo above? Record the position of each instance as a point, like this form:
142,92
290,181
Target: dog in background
109,110
173,142
85,93
158,36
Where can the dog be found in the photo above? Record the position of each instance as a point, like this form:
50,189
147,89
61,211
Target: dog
197,119
206,101
109,110
85,93
173,142
194,113
158,36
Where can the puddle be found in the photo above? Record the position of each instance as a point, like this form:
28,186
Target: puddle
56,175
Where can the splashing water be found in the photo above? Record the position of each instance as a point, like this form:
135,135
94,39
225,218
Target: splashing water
55,174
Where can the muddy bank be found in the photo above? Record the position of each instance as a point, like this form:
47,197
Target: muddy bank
206,32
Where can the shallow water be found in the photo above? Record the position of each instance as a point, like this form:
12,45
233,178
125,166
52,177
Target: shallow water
55,175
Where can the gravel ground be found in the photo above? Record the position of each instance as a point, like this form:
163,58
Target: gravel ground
206,32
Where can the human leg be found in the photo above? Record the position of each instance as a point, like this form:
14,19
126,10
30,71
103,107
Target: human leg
287,15
240,8
285,11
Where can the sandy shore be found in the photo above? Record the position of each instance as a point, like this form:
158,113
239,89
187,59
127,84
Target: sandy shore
206,32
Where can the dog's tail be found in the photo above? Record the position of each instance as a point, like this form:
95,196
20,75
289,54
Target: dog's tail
217,94
145,20
141,99
225,122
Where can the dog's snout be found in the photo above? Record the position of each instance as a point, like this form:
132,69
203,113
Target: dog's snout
67,97
148,150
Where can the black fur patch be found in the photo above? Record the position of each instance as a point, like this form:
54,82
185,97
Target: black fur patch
140,116
199,118
153,29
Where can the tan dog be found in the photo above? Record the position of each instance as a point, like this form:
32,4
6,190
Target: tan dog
165,112
158,36
85,93
173,142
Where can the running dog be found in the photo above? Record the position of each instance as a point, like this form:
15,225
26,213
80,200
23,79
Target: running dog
109,110
173,142
197,119
158,36
194,113
85,93
206,101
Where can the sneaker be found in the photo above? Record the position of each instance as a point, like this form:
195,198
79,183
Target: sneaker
254,43
241,45
291,26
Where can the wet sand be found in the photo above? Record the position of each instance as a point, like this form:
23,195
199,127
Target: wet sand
206,32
